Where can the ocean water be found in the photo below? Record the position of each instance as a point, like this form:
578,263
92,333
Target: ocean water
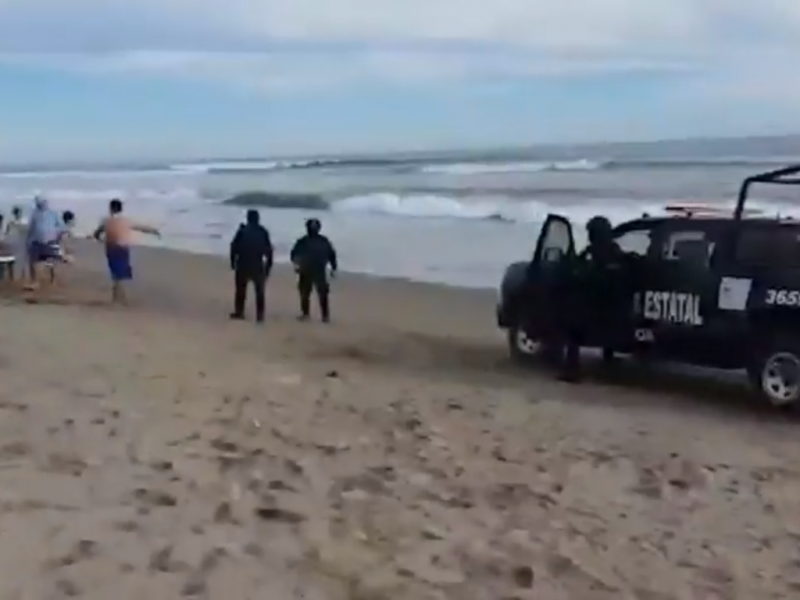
456,218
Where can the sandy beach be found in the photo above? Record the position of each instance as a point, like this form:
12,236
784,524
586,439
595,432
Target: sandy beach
165,452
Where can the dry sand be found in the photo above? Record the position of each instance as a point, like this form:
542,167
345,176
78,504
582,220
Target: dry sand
164,452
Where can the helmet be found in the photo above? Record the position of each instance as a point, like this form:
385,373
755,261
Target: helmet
313,226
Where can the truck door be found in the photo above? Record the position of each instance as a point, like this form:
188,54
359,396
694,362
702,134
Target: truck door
556,241
556,244
639,241
680,302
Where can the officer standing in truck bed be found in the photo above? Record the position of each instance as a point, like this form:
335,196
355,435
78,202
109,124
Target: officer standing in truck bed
311,256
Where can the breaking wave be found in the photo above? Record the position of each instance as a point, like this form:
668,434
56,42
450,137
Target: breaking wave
387,204
442,166
424,166
419,205
258,166
431,206
279,200
513,167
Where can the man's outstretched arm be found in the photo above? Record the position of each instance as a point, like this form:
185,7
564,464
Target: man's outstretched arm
100,231
146,229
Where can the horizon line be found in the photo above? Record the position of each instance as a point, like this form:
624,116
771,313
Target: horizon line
466,149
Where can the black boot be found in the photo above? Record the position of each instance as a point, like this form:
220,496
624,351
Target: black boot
609,358
571,365
305,308
325,308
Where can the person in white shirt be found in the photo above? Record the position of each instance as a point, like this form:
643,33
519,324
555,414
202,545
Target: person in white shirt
63,253
16,236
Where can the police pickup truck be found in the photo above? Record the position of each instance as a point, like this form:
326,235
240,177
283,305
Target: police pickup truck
714,289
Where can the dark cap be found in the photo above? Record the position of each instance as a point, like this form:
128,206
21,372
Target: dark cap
313,226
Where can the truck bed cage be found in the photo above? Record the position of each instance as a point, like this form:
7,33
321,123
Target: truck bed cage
786,176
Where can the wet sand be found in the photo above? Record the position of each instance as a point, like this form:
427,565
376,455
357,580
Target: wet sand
165,452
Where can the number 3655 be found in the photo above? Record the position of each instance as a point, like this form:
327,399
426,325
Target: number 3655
783,297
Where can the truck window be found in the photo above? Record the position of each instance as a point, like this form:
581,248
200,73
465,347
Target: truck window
636,241
557,242
690,247
770,247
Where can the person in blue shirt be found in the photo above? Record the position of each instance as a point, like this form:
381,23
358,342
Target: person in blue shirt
44,237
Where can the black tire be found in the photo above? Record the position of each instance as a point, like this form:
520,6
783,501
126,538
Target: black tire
522,349
775,372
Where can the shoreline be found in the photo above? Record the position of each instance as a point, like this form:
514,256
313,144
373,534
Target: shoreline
366,274
286,265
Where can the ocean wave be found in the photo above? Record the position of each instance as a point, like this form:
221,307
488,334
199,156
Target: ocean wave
278,200
755,163
259,166
236,167
462,167
615,164
440,165
477,168
185,201
434,206
495,209
420,204
233,166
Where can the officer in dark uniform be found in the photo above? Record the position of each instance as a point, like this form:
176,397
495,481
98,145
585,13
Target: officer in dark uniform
252,256
595,296
311,256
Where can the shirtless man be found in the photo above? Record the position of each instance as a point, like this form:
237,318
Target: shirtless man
116,230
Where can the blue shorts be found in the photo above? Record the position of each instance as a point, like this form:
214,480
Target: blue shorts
119,263
45,252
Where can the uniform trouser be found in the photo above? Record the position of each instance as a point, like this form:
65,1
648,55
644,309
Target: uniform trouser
606,326
316,281
571,342
244,277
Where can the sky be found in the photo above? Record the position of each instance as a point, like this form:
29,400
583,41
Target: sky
118,79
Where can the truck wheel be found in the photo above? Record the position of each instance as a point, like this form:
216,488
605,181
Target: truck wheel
522,348
776,373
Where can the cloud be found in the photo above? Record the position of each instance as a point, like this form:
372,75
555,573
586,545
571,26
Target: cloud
276,45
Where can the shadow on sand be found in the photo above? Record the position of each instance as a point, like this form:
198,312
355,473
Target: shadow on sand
629,384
